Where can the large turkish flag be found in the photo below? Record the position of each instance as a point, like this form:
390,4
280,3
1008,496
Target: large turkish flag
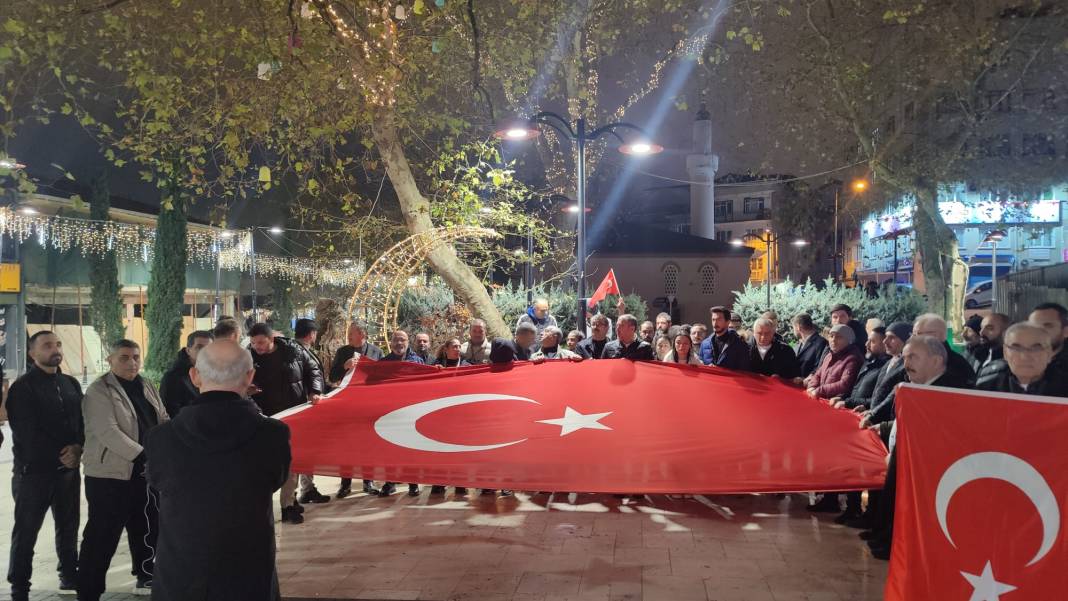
982,486
594,426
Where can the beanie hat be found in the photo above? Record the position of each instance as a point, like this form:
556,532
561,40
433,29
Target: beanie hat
846,332
900,329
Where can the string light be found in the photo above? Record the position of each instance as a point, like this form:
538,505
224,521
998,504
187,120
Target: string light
132,242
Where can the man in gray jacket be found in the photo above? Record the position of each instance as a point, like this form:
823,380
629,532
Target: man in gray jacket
119,409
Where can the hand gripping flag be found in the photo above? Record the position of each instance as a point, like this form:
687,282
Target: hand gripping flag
608,285
982,485
611,426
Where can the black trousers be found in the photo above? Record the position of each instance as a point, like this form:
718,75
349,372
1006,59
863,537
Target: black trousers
35,494
114,506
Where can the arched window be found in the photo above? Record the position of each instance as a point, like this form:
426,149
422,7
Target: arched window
671,278
708,278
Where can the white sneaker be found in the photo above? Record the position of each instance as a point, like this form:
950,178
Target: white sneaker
143,587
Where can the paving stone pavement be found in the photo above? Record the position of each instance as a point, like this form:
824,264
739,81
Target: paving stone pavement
541,547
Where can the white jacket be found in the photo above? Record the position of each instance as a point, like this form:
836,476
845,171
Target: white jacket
111,431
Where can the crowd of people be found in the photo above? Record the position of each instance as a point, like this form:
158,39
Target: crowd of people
148,455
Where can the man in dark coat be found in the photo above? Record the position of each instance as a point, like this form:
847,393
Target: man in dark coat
724,348
343,360
931,324
628,345
811,347
869,374
1028,352
217,547
284,378
592,346
1053,318
175,387
769,356
843,314
503,351
44,410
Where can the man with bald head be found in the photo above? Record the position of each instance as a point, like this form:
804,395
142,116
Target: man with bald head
931,324
1053,318
217,547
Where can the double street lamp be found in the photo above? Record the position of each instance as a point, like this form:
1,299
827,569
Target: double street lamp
768,238
518,130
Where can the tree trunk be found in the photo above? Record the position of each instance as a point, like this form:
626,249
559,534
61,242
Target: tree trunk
416,211
938,251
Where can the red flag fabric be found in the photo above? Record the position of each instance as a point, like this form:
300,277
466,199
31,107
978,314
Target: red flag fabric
608,285
612,426
982,482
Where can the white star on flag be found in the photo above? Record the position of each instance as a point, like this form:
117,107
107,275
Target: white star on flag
985,587
573,420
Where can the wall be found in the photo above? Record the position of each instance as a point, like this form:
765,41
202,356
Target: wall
645,276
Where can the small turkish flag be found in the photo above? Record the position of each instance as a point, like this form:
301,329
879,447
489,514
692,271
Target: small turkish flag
982,483
609,285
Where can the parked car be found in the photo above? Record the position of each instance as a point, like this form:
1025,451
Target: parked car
981,295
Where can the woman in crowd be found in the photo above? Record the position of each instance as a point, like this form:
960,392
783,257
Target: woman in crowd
682,350
662,346
449,354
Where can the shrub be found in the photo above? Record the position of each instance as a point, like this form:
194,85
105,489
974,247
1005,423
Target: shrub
789,299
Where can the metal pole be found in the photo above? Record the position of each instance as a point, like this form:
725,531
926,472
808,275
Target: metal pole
994,276
835,251
895,258
767,261
530,266
218,283
252,259
580,323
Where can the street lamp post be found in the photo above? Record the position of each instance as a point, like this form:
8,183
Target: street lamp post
993,238
768,238
526,129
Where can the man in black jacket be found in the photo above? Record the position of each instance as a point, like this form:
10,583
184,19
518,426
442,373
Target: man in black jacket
811,347
869,374
285,377
1053,318
504,351
926,362
1028,352
769,356
217,547
843,314
44,408
724,348
931,324
627,344
592,346
175,387
344,361
345,358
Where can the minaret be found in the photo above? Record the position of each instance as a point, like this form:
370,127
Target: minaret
702,165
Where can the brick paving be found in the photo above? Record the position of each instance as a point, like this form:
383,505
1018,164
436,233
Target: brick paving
537,547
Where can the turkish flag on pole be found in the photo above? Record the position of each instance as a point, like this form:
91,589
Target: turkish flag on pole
608,285
595,426
981,489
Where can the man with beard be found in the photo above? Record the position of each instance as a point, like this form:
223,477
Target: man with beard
422,347
724,348
1053,318
175,388
628,345
592,347
477,348
44,409
647,331
991,334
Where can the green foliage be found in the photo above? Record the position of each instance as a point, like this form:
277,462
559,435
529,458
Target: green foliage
789,299
105,307
434,308
166,284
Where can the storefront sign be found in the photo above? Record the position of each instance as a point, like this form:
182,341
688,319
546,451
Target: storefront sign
10,277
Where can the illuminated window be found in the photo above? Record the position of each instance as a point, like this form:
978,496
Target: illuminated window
671,278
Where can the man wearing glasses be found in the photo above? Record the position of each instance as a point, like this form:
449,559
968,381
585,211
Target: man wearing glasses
1028,351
